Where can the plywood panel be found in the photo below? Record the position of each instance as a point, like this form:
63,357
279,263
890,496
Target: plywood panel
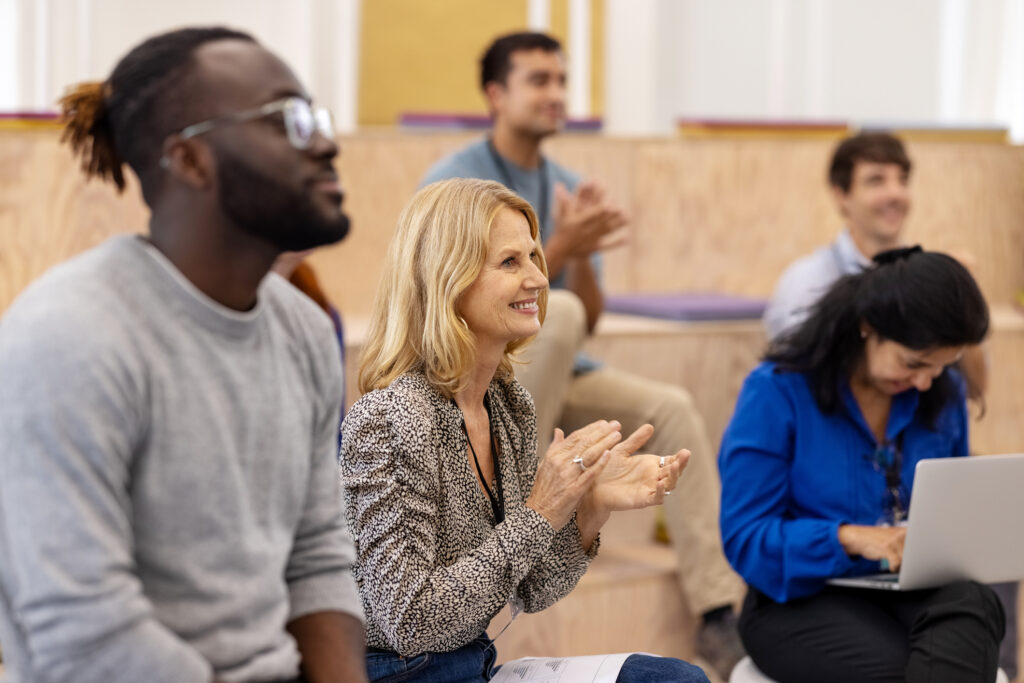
727,215
48,212
723,215
712,213
629,600
1001,428
380,173
971,198
710,360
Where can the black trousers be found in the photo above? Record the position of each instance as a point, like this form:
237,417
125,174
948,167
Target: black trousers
945,635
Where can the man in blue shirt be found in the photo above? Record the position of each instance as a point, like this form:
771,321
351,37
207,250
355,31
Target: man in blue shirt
523,78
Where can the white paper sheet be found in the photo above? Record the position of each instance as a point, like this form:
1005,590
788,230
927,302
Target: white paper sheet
590,669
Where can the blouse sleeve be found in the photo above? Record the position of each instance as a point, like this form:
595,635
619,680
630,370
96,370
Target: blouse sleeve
560,568
782,556
557,573
388,463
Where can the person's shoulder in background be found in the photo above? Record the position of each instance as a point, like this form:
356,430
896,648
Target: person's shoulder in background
472,161
801,285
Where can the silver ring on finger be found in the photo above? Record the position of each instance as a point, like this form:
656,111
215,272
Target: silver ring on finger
668,493
661,461
579,461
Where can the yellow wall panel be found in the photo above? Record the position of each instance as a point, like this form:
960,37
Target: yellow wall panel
418,55
559,26
424,56
597,57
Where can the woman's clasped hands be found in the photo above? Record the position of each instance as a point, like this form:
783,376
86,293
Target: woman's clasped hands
632,480
570,468
595,469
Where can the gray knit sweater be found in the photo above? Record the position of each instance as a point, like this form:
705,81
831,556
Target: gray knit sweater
168,490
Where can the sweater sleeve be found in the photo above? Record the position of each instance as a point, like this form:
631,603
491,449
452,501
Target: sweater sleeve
388,461
781,555
319,571
70,416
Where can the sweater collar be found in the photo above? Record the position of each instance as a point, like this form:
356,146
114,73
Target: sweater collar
179,292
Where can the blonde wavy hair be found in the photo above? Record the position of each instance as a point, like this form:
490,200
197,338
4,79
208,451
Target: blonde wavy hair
438,250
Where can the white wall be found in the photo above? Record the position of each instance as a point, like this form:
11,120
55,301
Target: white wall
8,55
60,42
910,61
928,61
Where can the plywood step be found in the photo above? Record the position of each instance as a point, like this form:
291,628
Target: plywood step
629,600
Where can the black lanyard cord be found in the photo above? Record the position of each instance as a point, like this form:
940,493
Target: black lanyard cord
496,498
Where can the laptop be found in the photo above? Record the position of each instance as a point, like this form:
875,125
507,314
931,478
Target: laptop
964,522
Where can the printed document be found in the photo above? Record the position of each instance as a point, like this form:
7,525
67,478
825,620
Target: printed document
590,669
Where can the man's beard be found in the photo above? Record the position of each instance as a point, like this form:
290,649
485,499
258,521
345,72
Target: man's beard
264,207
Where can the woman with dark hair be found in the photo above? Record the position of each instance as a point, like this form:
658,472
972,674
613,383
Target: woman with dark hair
817,467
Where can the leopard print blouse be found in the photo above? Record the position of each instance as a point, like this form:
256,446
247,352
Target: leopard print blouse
432,567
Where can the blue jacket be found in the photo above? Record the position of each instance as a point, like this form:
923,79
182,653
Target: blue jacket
791,475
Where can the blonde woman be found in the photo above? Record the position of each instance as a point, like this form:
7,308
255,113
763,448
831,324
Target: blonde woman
453,512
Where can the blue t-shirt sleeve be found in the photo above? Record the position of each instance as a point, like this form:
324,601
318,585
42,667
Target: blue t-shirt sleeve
778,552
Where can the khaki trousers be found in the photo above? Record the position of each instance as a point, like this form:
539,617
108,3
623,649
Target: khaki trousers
571,401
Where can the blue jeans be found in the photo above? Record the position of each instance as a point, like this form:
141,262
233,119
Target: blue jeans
471,663
474,663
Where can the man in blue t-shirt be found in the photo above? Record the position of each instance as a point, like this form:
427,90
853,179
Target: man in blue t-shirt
523,78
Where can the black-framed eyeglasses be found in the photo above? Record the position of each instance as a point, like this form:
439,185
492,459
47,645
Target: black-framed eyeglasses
301,121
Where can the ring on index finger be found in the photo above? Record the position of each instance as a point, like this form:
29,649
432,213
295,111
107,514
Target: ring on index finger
579,461
661,461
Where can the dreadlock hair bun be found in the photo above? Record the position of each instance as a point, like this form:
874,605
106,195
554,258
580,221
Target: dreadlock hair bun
87,130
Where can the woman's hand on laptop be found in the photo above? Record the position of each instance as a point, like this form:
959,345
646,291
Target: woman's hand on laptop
874,543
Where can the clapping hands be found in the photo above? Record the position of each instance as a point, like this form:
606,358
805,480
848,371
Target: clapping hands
585,221
595,470
632,480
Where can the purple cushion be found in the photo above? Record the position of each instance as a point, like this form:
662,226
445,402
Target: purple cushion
687,306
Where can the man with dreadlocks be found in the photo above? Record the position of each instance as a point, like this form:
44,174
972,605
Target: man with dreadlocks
169,503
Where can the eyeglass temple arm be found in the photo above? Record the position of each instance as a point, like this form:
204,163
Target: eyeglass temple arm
238,117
